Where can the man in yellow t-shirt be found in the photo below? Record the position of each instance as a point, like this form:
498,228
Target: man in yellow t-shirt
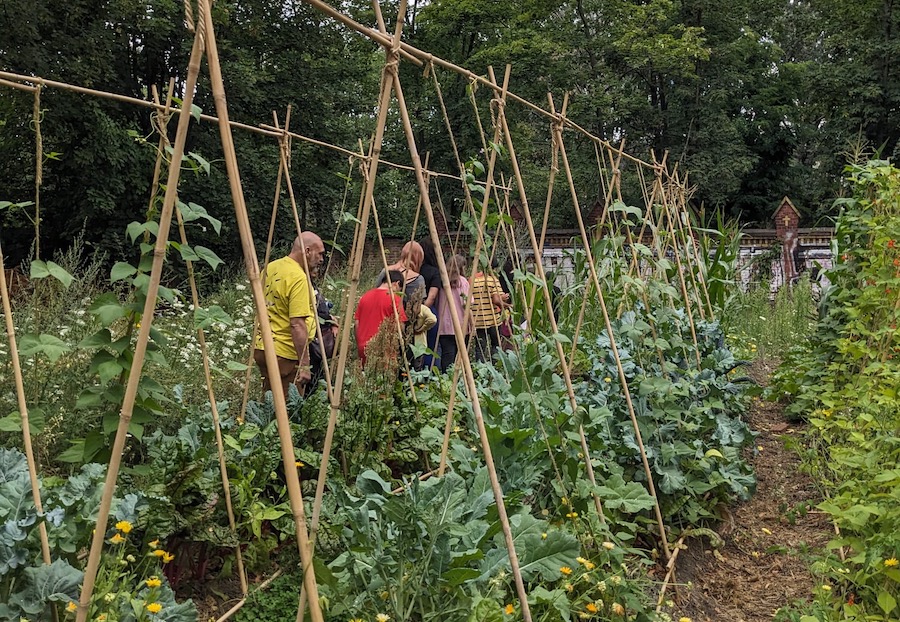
487,302
290,303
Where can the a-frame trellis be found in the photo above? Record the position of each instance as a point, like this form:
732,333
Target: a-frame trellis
666,195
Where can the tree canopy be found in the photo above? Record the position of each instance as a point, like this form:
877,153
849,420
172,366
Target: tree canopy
756,99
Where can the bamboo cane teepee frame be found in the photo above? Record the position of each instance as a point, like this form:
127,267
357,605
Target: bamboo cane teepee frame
667,194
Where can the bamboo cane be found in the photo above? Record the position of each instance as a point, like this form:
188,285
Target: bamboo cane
461,345
165,220
284,426
539,268
612,340
255,332
162,124
23,412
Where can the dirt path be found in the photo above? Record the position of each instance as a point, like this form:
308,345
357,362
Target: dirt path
761,566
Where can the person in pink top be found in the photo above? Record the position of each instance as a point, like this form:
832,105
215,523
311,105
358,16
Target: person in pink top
459,290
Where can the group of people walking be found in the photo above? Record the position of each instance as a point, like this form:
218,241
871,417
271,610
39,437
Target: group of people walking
409,296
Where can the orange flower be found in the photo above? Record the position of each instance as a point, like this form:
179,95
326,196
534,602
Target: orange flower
509,609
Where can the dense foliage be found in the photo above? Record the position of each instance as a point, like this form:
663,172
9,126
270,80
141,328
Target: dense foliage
756,99
435,548
845,382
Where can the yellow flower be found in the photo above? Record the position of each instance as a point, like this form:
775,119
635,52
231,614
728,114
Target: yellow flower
167,557
589,565
124,526
607,379
382,617
544,536
101,617
158,552
890,563
509,609
153,545
566,570
581,560
71,607
826,588
618,609
117,539
355,620
153,582
592,608
154,607
572,515
299,464
684,619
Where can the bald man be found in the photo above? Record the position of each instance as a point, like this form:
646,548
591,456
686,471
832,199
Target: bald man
290,303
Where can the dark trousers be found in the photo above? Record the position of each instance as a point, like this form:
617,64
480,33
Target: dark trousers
448,351
487,340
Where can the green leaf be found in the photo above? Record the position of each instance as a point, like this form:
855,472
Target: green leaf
188,254
107,309
13,421
196,156
41,269
121,270
137,229
887,602
74,454
51,346
99,339
206,317
208,256
191,212
630,497
57,582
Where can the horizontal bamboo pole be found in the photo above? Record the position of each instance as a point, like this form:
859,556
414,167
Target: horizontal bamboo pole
408,50
13,80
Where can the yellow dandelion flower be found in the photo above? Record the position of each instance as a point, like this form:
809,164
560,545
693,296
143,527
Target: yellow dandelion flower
581,560
618,609
890,563
153,545
382,617
544,536
564,501
154,607
566,570
167,557
71,607
158,552
124,526
684,619
153,582
117,539
590,565
509,609
592,608
299,464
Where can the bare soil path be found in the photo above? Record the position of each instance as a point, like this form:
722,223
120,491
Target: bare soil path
762,565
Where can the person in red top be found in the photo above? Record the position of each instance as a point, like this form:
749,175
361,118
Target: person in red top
376,306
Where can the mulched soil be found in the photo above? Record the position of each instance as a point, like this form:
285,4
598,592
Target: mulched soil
762,565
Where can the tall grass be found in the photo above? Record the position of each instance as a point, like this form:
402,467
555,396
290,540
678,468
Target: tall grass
760,327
